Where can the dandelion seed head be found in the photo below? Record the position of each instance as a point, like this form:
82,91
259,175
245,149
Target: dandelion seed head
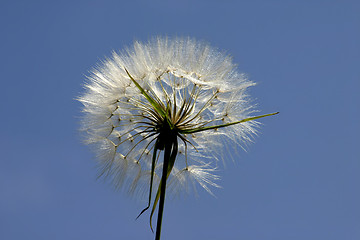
196,85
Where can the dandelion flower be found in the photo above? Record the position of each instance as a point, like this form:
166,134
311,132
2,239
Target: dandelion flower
163,112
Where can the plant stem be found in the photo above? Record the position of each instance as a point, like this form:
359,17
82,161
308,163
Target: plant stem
168,147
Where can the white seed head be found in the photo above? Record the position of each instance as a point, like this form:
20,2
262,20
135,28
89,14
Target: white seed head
198,85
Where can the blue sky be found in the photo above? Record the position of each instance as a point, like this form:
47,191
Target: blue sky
300,180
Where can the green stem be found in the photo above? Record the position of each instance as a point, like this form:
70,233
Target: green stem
167,153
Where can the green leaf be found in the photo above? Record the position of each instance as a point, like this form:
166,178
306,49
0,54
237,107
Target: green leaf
195,130
153,102
154,205
153,164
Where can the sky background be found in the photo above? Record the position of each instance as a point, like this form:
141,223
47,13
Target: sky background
300,180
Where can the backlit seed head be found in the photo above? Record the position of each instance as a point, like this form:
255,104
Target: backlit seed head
194,85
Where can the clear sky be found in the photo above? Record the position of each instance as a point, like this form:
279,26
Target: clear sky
300,180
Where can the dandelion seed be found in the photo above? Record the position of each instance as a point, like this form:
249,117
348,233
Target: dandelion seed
163,111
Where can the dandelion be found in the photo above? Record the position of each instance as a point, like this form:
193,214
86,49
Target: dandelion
159,113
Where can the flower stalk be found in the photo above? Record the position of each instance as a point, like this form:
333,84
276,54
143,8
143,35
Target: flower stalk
169,159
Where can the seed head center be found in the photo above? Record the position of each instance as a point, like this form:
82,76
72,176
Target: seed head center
167,133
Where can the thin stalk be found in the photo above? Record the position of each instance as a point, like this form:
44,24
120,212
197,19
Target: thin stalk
167,153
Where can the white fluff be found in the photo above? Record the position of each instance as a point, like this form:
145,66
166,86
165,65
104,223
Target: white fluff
180,68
